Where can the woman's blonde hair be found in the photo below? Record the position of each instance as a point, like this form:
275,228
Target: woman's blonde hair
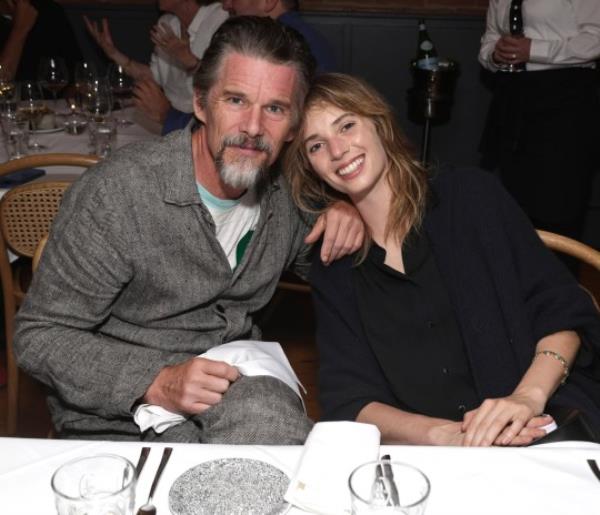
406,177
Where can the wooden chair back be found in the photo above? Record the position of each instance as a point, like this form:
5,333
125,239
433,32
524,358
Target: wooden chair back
26,214
573,248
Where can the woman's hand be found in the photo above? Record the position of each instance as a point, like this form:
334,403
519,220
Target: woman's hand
512,50
102,36
505,421
176,47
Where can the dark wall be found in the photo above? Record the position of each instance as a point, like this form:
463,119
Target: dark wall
378,48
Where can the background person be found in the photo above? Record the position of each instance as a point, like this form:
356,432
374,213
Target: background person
169,248
456,325
181,36
46,34
540,133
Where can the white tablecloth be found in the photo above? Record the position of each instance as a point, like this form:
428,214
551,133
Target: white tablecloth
63,142
543,480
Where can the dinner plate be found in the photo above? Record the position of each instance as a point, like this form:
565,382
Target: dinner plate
47,131
229,486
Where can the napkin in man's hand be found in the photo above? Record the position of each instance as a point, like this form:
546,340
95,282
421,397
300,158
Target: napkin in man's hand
251,358
331,452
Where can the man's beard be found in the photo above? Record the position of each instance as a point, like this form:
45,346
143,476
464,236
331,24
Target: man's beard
243,172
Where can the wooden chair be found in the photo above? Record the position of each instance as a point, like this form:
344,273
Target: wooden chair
573,248
26,213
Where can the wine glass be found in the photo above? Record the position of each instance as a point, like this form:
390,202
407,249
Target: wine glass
98,99
121,86
33,109
53,76
84,74
7,86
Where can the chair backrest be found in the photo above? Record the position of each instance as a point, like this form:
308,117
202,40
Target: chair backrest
26,214
573,248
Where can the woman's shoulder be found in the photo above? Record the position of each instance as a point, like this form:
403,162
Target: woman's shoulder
464,183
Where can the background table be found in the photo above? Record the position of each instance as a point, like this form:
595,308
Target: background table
60,141
547,480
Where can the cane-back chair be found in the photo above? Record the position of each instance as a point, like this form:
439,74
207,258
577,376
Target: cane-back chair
26,213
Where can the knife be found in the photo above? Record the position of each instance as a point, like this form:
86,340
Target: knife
389,474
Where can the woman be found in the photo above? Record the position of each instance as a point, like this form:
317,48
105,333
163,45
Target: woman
455,326
541,128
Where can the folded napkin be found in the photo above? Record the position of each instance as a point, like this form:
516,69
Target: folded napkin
20,177
251,358
331,452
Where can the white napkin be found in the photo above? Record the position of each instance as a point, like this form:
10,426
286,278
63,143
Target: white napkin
331,452
251,358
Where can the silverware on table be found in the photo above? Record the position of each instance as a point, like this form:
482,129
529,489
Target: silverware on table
389,474
594,466
141,461
149,508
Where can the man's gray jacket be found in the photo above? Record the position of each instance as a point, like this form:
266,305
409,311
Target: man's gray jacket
133,279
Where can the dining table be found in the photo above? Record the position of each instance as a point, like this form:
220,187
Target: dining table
58,140
549,479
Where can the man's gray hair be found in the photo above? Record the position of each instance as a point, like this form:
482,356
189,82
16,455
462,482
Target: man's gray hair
262,38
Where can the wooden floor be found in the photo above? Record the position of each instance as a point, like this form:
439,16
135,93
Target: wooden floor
291,322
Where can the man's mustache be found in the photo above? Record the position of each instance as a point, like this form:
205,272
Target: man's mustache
244,141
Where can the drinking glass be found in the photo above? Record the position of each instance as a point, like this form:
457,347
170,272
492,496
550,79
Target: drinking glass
95,485
16,135
7,86
98,99
121,86
31,107
84,74
385,486
102,136
53,76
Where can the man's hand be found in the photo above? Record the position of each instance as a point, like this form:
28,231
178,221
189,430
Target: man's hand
149,98
512,50
176,47
192,386
343,231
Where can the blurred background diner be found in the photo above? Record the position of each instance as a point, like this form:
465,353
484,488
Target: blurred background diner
376,41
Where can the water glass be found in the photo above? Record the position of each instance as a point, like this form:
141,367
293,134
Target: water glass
95,485
16,136
75,123
103,134
385,486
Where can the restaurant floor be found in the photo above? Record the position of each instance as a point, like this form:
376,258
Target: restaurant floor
288,320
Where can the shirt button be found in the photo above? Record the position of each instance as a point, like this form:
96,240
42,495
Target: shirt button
445,370
462,408
431,324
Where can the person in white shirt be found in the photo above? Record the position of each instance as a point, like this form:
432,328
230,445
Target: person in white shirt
539,134
181,36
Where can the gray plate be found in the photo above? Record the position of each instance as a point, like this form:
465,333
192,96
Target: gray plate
229,486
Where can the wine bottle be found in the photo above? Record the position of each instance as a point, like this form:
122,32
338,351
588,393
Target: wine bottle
427,57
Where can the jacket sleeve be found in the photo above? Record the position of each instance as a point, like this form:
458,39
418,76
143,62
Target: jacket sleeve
553,299
84,268
349,374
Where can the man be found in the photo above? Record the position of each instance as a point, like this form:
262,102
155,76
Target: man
285,11
168,248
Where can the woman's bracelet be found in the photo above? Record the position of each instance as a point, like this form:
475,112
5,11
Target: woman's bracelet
560,359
